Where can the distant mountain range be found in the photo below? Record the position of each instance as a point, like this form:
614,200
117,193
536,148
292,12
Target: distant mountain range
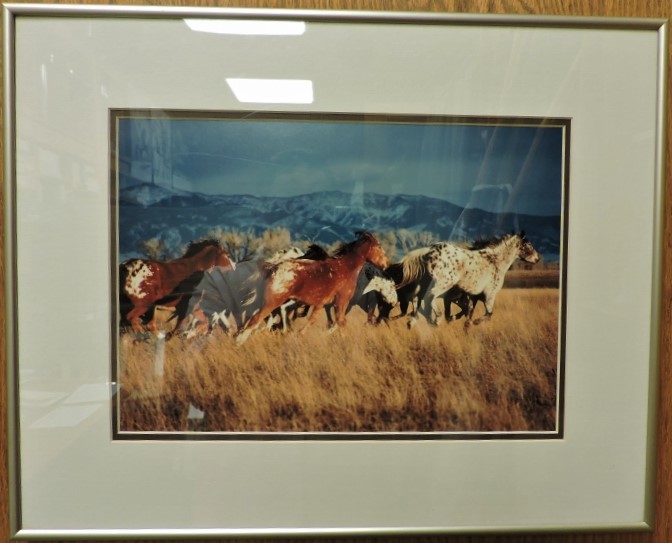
178,216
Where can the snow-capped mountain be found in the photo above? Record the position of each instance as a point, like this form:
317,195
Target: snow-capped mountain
178,216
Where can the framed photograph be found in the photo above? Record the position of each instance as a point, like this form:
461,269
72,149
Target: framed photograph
338,273
328,221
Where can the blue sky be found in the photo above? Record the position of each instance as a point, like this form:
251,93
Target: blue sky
288,157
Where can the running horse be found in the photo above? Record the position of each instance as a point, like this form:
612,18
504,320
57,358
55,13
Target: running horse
477,271
143,283
318,282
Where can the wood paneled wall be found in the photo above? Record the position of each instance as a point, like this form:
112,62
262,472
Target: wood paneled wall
621,8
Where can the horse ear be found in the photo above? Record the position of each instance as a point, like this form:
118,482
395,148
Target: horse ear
363,234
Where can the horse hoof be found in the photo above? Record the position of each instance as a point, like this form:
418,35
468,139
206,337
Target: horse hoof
242,337
332,330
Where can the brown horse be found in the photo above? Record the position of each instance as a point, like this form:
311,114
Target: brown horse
318,282
143,284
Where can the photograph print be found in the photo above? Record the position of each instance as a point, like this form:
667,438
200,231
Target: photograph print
326,276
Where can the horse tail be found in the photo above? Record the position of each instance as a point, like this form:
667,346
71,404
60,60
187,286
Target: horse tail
413,266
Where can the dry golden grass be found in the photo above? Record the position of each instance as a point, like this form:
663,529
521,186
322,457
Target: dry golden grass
534,278
498,376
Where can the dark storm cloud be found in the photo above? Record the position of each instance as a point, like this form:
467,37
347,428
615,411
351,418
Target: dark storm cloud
287,158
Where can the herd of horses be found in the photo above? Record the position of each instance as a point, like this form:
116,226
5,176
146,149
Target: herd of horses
206,288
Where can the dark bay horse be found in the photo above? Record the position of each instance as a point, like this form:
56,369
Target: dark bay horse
144,283
478,271
318,282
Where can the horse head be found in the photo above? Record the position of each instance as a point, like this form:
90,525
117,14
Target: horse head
223,259
526,251
207,253
374,251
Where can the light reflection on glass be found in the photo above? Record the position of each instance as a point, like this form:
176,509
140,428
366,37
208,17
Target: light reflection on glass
247,27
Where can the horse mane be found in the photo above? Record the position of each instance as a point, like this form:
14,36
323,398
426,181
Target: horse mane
197,246
486,243
414,265
315,252
347,248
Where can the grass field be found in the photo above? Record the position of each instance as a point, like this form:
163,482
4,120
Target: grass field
500,376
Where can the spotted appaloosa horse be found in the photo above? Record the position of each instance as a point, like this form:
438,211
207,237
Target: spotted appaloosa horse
411,294
318,282
143,283
478,271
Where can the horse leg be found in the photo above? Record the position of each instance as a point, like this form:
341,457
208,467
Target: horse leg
371,313
342,305
486,317
289,313
272,302
416,301
462,301
489,303
327,311
198,322
426,307
282,313
384,310
270,321
340,320
243,333
199,328
134,316
221,318
283,317
311,317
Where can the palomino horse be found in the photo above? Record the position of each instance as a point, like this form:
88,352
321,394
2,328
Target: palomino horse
477,271
144,284
318,282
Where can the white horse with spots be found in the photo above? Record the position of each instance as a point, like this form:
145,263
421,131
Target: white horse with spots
478,270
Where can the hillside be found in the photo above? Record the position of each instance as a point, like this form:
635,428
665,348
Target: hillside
178,216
